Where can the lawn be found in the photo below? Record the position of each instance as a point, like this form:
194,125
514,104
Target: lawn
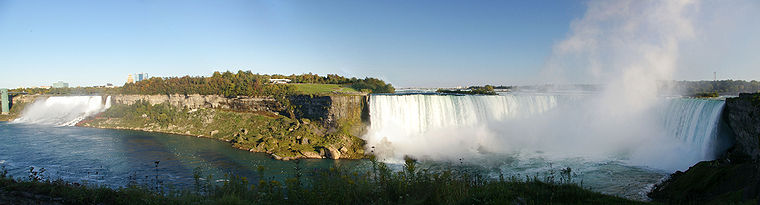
323,89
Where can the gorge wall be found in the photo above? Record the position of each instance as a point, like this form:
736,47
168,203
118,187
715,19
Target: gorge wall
243,103
743,116
328,109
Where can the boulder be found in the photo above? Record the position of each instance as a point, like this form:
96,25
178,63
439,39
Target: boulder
311,154
333,153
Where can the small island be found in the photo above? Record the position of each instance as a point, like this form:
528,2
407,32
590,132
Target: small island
472,90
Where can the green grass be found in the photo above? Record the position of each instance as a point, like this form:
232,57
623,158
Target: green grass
323,89
335,185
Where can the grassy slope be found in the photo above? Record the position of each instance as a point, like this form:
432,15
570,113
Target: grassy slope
323,89
259,132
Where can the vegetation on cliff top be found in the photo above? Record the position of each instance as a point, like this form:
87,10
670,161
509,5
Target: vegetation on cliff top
473,90
723,87
335,185
706,95
242,83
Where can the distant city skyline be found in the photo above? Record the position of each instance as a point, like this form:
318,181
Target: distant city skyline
406,43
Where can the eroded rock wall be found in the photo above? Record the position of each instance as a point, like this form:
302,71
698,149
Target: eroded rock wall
243,103
743,116
333,110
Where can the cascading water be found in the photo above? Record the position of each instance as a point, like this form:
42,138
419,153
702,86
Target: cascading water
672,135
63,110
695,122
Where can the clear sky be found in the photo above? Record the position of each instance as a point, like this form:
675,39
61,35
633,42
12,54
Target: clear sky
407,43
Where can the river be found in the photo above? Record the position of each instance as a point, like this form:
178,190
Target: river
512,135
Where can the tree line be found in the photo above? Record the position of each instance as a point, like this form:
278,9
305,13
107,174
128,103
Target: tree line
242,83
722,87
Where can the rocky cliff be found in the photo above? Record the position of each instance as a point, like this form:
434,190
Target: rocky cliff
18,102
743,116
243,103
333,111
735,176
323,126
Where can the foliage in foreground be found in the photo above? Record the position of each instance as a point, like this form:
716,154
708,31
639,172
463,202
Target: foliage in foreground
381,185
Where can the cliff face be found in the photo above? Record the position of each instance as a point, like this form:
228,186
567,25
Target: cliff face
22,99
18,103
743,115
244,104
332,110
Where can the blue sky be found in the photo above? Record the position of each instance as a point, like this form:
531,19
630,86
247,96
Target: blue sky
408,43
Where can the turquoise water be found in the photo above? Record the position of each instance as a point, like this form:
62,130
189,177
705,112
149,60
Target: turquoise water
116,157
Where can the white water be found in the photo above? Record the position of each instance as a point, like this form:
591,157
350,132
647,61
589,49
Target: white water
695,122
673,135
63,110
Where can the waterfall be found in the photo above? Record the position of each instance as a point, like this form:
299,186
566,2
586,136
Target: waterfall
63,110
418,114
672,134
694,121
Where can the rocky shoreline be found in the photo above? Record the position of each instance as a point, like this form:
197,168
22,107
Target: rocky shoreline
331,154
325,127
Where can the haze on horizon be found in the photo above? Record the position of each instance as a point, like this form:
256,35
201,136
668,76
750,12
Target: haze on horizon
407,43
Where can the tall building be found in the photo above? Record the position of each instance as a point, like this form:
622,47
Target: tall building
141,77
130,79
60,84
